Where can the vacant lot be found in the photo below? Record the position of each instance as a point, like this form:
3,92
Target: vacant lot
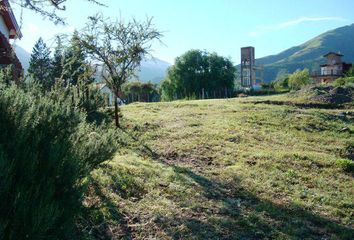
227,169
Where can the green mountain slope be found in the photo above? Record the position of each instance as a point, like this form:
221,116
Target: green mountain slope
310,54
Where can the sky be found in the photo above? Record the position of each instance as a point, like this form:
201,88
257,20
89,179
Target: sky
221,26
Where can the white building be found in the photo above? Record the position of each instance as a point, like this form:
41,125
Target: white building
9,29
108,94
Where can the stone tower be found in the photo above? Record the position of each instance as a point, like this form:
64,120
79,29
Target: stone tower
248,71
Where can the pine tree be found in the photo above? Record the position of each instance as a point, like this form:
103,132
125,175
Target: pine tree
74,61
40,64
57,64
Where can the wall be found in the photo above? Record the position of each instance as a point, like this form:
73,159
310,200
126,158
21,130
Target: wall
108,93
335,58
3,28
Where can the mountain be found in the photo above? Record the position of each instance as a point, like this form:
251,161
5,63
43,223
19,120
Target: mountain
23,56
153,70
310,54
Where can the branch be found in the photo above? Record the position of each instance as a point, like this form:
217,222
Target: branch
48,8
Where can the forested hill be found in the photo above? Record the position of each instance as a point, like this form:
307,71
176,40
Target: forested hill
310,54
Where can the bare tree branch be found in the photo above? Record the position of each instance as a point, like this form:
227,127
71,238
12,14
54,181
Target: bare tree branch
48,8
119,46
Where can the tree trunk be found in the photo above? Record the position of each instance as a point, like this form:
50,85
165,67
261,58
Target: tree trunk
116,115
87,93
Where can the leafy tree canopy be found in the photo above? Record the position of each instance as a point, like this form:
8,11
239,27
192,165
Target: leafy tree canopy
197,71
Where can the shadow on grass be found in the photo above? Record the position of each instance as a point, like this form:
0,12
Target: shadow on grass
94,218
301,105
243,215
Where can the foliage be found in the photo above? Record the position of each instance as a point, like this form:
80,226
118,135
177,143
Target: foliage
76,69
6,75
344,81
48,8
282,80
350,73
46,151
299,79
90,100
197,71
120,46
268,86
40,65
58,58
346,164
138,91
167,90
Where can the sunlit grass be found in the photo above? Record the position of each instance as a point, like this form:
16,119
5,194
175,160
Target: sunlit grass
230,169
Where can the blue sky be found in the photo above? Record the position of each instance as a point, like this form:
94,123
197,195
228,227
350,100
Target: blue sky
221,26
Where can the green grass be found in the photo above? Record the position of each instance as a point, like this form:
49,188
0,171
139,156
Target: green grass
226,169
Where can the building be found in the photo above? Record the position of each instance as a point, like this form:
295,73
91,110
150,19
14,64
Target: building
108,94
249,78
333,69
9,30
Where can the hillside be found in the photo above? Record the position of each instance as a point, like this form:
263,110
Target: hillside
153,70
226,169
310,53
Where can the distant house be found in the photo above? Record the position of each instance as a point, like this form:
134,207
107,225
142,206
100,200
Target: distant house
333,69
108,94
9,29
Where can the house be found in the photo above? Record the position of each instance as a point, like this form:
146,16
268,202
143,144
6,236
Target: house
9,30
108,94
333,69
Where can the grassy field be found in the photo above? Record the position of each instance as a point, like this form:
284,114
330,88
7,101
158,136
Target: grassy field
226,169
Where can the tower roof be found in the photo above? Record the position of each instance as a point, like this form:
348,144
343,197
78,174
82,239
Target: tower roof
330,53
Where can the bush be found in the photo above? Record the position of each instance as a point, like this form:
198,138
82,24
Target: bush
345,81
46,151
298,79
88,98
346,164
282,81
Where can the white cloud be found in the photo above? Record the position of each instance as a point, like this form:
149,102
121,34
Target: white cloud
264,29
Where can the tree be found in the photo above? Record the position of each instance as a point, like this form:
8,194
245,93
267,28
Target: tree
74,63
197,73
57,63
40,64
120,47
299,79
137,91
48,8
